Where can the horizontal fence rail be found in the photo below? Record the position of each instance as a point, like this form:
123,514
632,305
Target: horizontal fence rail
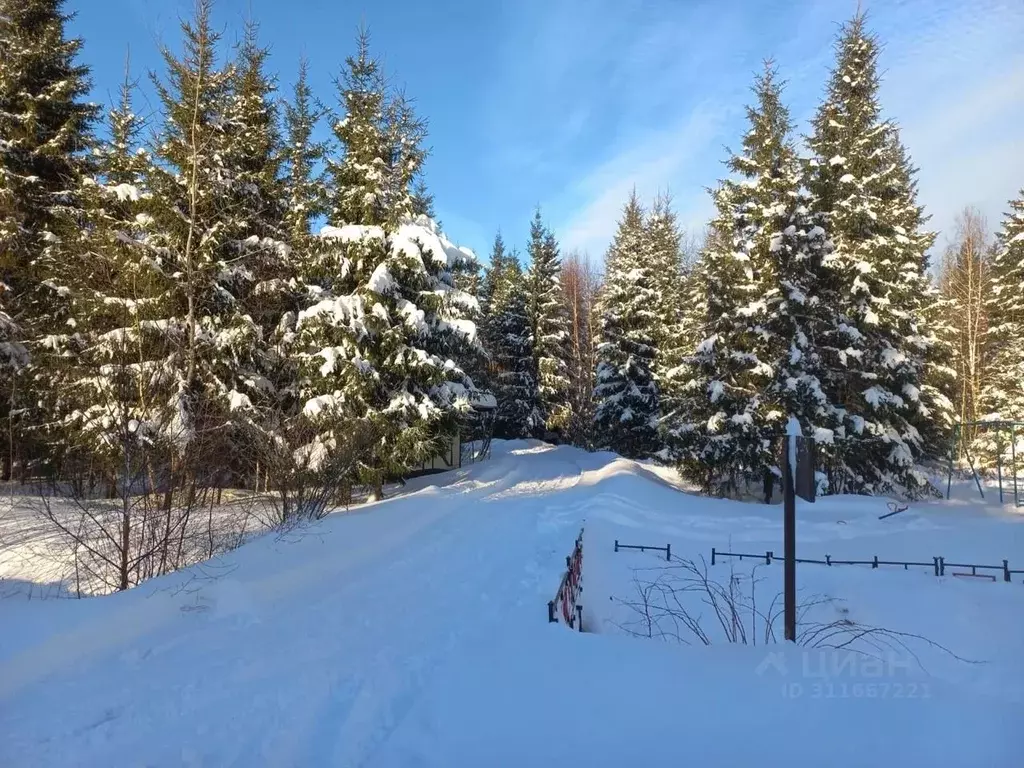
667,549
937,564
566,606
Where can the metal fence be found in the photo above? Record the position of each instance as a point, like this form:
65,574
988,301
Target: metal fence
937,564
667,549
566,606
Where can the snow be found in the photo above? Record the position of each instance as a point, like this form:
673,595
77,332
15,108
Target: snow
793,431
413,632
125,192
382,281
352,233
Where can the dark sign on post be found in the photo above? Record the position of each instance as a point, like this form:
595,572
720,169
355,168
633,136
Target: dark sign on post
806,466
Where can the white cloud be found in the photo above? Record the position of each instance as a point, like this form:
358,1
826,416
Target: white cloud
958,94
652,163
952,78
596,98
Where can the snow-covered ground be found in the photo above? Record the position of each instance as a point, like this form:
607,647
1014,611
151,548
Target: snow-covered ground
413,632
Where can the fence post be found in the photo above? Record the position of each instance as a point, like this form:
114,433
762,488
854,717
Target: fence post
551,612
668,551
942,566
828,560
999,472
1006,570
789,456
712,555
874,563
767,558
579,617
616,545
936,561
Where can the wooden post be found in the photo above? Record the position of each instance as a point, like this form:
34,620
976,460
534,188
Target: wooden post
1013,463
789,539
712,555
999,469
668,551
953,443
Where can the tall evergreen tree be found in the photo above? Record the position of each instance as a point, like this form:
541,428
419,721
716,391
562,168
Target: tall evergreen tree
548,324
765,284
932,412
197,234
1002,397
509,344
255,216
357,190
385,326
678,330
499,259
302,158
405,131
109,365
45,130
661,232
626,414
863,185
259,237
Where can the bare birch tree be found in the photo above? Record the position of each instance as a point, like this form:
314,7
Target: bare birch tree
964,281
580,281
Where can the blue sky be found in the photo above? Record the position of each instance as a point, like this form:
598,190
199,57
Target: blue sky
570,103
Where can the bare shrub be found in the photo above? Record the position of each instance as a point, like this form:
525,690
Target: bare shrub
681,603
305,475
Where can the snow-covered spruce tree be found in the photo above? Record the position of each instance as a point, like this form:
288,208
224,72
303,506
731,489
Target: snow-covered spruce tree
304,200
113,369
1002,397
358,177
302,158
676,397
862,184
385,324
702,436
108,363
404,193
922,308
508,340
548,325
258,237
626,395
493,274
45,129
763,273
676,332
423,201
198,234
663,239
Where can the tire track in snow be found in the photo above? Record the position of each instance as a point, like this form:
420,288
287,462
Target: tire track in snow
341,650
